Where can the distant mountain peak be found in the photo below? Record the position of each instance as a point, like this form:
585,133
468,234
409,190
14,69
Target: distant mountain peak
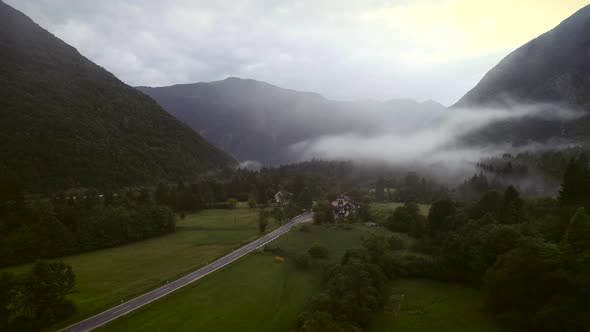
254,120
552,67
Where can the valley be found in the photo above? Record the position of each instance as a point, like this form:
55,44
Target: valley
186,165
107,277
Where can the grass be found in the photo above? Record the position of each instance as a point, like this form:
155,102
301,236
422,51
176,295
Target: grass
258,294
384,210
254,294
435,306
106,277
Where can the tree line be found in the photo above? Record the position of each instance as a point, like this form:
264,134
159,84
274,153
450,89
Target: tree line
531,258
45,228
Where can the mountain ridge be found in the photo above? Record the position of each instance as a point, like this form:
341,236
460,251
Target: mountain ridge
555,66
549,75
67,122
258,121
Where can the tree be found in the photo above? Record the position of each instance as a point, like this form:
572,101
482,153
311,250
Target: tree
304,199
438,216
45,288
36,299
490,203
162,194
262,220
232,203
379,190
575,186
322,214
302,261
278,214
406,219
537,288
577,235
318,251
512,207
253,197
8,294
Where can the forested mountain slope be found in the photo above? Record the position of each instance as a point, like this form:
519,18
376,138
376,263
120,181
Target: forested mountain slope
254,120
67,122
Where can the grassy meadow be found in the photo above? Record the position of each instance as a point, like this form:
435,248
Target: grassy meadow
254,294
434,306
383,210
106,277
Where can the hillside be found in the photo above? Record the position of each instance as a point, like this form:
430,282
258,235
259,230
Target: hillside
66,122
258,121
555,67
551,73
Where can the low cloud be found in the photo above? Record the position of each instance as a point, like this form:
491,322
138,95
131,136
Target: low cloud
438,145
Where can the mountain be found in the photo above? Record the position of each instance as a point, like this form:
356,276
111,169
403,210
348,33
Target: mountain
549,74
261,122
66,122
555,67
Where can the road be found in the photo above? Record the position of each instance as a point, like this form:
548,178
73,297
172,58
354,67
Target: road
126,307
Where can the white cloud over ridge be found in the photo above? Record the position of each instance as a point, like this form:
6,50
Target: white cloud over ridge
438,144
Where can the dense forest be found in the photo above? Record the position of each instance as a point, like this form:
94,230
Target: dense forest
530,257
47,228
65,122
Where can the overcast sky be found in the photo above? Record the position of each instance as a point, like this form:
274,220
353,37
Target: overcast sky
343,49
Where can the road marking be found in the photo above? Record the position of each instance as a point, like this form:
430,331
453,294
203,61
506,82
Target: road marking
160,291
122,309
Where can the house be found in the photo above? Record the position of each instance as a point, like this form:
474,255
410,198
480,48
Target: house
282,197
343,206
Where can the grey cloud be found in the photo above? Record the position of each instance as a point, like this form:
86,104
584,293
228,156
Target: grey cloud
316,46
436,144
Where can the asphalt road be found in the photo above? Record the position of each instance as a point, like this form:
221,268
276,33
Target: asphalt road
127,307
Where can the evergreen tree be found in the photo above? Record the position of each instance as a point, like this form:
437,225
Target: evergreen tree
512,207
379,190
438,216
304,200
253,197
262,221
162,195
575,186
577,235
322,214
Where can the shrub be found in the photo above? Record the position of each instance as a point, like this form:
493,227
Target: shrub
305,229
302,261
274,250
411,265
318,251
396,242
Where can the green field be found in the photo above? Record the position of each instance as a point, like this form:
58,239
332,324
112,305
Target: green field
383,210
435,306
253,294
106,277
